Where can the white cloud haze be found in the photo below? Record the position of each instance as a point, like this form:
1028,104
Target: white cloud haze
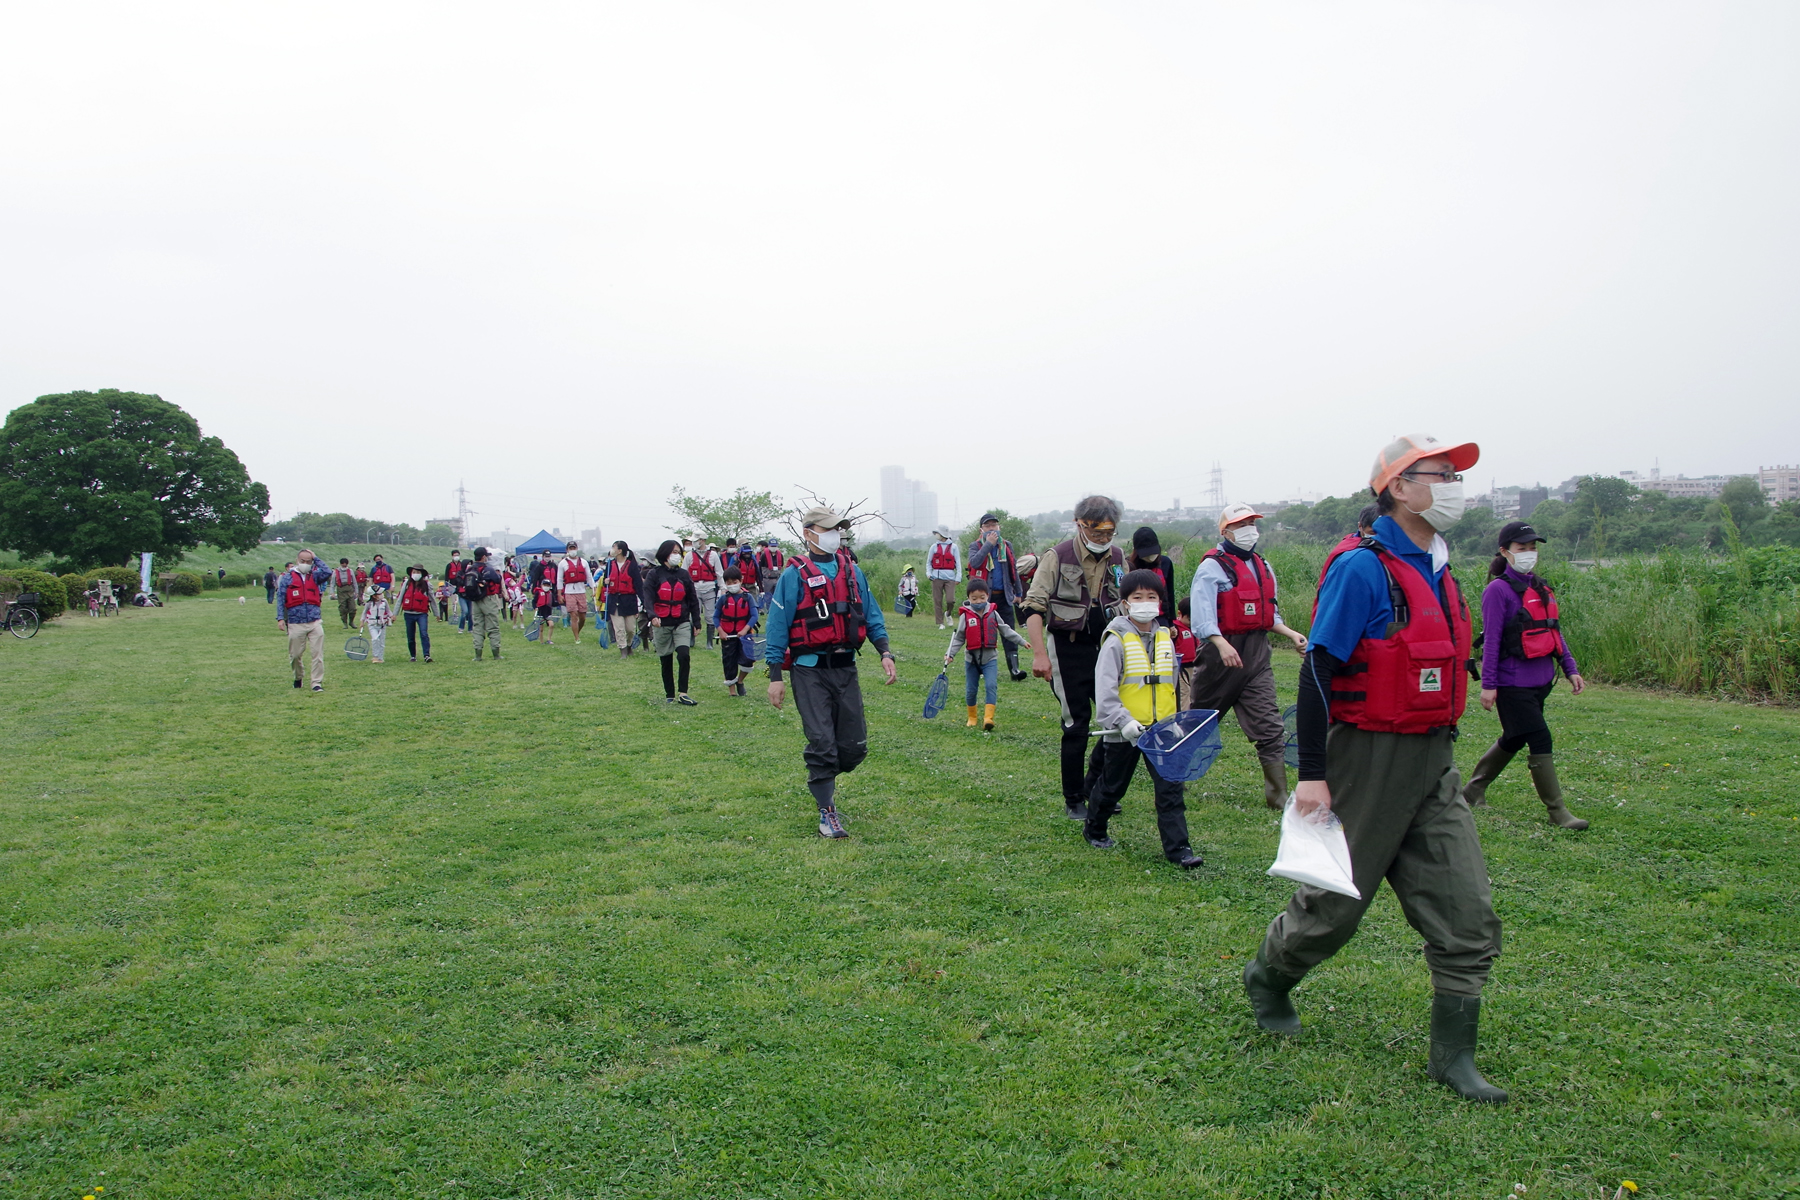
576,254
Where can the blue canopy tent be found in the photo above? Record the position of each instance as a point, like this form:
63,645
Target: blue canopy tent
540,543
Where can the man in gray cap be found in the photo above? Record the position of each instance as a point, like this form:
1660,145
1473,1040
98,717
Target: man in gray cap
943,566
820,613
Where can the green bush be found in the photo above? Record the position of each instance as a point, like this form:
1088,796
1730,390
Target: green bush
9,585
242,579
73,586
52,599
125,577
185,583
209,582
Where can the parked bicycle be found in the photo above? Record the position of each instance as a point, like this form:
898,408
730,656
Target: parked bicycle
21,618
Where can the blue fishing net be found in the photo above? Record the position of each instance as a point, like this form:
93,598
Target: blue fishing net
1182,748
940,692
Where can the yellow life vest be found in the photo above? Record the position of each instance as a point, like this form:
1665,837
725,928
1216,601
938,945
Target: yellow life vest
1146,691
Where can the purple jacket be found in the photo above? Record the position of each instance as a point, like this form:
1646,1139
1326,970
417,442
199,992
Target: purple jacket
1499,604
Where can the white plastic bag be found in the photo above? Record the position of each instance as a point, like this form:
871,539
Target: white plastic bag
1314,851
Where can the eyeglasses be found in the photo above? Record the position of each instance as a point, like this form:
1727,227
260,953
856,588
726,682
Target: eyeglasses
1100,533
1431,476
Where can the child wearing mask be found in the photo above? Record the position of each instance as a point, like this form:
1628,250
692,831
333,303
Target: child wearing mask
543,596
415,605
909,592
734,616
376,617
978,631
1134,687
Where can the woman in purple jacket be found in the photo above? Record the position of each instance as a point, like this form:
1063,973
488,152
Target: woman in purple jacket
1521,646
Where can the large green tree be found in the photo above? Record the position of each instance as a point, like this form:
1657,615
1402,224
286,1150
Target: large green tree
741,514
94,477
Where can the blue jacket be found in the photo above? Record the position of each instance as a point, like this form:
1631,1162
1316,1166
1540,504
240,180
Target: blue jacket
300,614
1007,569
1353,601
786,597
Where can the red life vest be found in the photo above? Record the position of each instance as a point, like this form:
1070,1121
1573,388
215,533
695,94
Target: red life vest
362,576
545,592
768,562
618,577
1534,632
735,613
1349,542
829,615
343,576
981,631
415,596
701,568
383,573
1187,646
746,565
1416,679
574,570
671,600
1248,605
943,557
302,589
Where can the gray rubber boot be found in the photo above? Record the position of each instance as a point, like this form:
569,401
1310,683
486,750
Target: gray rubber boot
1454,1021
1487,769
1543,774
1275,785
1268,991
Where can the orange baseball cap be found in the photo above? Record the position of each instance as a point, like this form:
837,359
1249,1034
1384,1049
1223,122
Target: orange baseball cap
1403,452
1231,514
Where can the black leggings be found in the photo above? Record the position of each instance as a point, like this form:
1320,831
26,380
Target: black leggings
1521,711
668,670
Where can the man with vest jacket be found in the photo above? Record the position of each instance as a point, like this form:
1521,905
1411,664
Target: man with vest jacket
943,566
299,613
704,566
1232,601
453,577
992,561
349,596
381,575
820,613
768,570
482,587
1074,594
572,577
1381,690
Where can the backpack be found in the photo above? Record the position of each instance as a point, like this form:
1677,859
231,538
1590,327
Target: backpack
474,587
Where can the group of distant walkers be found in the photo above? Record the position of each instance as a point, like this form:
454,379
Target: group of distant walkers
1382,687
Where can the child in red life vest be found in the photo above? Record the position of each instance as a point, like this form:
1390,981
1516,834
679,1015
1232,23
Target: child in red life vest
734,616
979,631
1187,650
543,597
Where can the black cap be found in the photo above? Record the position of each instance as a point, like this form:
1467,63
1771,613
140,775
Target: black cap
1518,531
986,517
1144,543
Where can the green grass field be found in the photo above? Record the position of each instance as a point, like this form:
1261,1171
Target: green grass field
518,929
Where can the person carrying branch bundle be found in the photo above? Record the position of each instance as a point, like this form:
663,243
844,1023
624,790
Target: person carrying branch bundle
820,613
1518,670
1381,691
1233,602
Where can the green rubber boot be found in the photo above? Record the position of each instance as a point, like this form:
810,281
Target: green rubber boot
1487,769
1543,774
1454,1020
1268,991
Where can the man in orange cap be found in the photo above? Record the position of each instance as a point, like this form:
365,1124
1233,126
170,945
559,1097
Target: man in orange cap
1232,602
1381,691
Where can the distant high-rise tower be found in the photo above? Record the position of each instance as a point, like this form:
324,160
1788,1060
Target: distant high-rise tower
908,508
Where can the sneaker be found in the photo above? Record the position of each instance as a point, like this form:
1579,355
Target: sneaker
1020,676
318,687
415,658
830,825
428,658
296,683
1076,811
686,699
1187,860
1100,843
668,699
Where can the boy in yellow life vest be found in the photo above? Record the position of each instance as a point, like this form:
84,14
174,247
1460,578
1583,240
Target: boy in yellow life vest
1134,687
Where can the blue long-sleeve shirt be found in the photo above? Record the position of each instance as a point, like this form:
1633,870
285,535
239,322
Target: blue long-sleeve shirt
1203,595
1004,570
786,597
300,614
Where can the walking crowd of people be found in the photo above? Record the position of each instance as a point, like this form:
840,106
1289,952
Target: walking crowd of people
1384,677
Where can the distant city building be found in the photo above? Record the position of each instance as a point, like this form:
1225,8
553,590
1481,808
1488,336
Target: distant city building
455,524
590,541
909,509
502,541
1526,502
1779,483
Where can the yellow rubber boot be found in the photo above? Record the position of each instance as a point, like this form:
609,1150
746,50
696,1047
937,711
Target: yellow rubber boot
987,719
971,716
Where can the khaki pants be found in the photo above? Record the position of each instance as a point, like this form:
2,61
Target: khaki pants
943,598
484,615
300,638
1400,799
1249,691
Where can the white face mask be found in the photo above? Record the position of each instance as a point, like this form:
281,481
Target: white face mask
734,588
1096,547
415,575
1144,611
674,560
828,540
1524,560
1446,506
1246,537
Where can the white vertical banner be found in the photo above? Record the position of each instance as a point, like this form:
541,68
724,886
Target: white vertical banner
144,573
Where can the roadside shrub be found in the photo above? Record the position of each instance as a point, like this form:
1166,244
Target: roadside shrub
209,582
9,584
185,583
241,579
73,586
52,599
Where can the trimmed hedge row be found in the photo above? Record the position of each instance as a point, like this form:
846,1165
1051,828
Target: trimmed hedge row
186,583
53,600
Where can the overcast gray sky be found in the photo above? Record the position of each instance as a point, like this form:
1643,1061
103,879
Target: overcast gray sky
576,254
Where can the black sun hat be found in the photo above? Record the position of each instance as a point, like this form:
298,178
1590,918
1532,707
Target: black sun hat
1518,531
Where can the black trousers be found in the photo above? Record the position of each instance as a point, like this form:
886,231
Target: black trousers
830,703
1004,609
1521,712
731,657
1118,761
1072,679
